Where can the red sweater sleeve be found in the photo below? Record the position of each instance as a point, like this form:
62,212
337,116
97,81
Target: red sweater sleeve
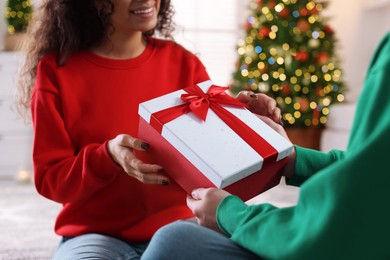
63,172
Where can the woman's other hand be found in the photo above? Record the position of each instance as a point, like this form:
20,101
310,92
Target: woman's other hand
121,150
265,108
261,104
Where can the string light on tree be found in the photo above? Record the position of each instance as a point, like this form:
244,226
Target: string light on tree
17,14
289,54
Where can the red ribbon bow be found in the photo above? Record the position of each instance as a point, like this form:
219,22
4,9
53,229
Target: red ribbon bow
200,102
197,102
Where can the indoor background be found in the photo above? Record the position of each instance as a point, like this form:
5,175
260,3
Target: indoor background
211,29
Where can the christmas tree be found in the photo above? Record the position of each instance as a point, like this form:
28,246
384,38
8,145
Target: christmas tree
289,54
17,14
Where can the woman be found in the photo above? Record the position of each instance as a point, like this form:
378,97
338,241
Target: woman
89,64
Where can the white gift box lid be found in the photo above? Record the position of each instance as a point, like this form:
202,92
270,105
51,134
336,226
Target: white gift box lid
212,146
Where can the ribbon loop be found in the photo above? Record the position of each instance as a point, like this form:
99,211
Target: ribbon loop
200,101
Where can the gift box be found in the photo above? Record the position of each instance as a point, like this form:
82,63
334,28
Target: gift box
205,138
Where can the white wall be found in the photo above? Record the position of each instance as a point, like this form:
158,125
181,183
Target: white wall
359,26
211,35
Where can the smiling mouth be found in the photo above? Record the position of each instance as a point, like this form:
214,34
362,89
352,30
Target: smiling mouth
142,11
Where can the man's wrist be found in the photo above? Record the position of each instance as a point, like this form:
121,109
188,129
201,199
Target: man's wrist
288,170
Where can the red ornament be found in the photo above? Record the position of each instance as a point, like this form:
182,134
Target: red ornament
320,92
264,32
284,13
328,30
304,12
271,5
314,10
323,57
304,104
286,89
303,25
248,25
302,56
316,117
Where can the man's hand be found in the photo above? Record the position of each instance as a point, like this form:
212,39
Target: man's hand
203,203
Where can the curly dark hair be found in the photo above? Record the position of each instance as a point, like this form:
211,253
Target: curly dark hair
70,26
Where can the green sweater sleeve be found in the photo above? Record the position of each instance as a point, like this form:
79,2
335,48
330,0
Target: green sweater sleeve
309,162
342,211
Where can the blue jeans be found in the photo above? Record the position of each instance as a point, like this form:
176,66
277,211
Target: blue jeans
189,241
176,241
97,246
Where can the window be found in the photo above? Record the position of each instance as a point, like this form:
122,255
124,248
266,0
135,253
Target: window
210,29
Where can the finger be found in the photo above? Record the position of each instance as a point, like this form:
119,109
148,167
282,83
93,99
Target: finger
194,194
245,96
151,178
274,112
145,167
271,106
148,177
191,203
270,103
277,116
261,104
131,142
146,173
200,193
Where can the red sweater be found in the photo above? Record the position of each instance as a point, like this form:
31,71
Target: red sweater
76,109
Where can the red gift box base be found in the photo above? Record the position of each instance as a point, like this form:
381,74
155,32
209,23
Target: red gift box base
189,177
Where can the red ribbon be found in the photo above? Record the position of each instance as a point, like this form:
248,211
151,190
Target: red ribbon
199,103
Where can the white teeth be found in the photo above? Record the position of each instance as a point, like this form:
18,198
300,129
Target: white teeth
144,11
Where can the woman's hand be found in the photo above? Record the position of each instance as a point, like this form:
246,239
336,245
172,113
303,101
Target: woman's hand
261,104
121,150
203,203
265,108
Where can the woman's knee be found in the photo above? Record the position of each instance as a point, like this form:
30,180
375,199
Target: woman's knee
178,230
171,242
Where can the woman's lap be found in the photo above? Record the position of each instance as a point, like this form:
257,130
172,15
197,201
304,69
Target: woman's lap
97,246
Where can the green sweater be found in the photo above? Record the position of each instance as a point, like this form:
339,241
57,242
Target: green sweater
343,211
